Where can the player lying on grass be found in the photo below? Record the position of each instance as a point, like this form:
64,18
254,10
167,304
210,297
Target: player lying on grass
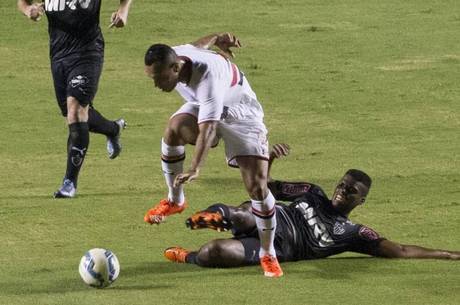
310,226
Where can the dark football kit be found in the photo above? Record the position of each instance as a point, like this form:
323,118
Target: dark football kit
308,227
76,49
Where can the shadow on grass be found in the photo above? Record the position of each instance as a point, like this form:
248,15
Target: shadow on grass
331,268
337,268
182,270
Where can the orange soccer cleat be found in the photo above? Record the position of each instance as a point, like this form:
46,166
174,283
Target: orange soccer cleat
158,213
176,254
210,220
271,266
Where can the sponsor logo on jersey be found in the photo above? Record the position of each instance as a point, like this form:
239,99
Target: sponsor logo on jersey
339,228
317,226
368,233
295,188
60,5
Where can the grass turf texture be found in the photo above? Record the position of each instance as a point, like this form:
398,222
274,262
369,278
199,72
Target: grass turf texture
364,84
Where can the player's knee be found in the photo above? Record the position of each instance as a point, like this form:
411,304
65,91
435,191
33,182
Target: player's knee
75,111
210,254
171,135
72,115
182,129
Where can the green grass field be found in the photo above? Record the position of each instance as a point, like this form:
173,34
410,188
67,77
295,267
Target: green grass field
366,84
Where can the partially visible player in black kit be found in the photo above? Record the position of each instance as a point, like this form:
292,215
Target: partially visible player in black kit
77,55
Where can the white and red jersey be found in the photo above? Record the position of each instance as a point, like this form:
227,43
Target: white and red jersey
218,87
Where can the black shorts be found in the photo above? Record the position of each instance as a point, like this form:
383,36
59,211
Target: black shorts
77,77
284,242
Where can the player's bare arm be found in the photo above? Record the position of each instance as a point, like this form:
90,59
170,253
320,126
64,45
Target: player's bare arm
391,249
33,11
119,18
223,41
207,133
277,151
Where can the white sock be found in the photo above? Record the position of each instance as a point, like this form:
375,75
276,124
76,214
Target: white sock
171,169
265,215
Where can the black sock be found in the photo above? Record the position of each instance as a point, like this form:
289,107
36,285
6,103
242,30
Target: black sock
191,257
98,124
76,149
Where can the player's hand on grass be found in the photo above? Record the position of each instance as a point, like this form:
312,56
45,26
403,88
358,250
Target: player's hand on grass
34,11
279,150
225,41
186,177
119,19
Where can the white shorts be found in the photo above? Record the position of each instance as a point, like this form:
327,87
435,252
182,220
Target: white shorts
241,137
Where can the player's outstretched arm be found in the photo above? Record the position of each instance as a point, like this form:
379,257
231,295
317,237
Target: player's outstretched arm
223,41
119,18
207,133
33,11
391,249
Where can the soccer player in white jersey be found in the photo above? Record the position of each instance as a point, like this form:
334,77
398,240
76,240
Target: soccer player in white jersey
218,104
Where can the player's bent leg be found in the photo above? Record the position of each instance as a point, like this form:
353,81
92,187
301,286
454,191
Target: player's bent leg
111,129
255,176
182,129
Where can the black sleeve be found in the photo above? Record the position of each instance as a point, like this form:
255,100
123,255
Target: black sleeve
290,191
366,241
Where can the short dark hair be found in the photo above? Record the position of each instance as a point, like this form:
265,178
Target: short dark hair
159,53
360,176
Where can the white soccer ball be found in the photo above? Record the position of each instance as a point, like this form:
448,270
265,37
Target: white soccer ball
99,268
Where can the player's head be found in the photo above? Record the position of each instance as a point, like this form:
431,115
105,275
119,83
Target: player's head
351,191
162,65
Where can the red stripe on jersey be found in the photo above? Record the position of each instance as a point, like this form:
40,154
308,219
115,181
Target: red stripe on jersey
235,75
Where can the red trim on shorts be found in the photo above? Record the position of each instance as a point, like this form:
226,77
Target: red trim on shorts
257,156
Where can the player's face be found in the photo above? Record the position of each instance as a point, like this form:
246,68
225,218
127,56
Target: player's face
348,194
164,77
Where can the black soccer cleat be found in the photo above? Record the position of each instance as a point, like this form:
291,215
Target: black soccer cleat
208,220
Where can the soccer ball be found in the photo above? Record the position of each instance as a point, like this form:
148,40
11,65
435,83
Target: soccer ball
99,268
